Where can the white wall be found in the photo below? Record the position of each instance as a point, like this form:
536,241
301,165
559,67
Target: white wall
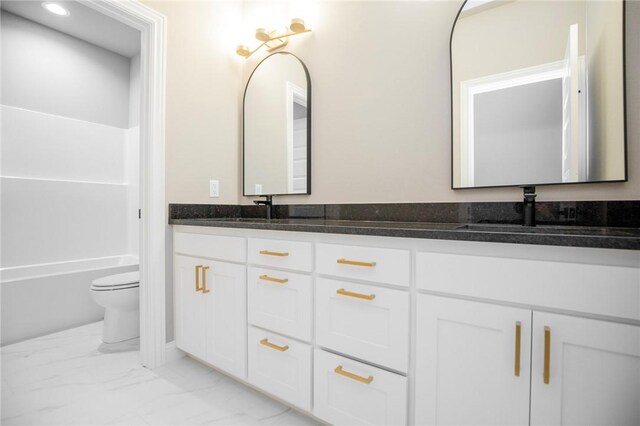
381,104
381,107
203,99
62,75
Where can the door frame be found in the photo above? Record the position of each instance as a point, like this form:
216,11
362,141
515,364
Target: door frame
151,25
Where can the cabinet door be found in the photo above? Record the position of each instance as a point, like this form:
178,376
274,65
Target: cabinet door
280,301
280,366
348,392
584,371
190,306
364,321
225,322
471,366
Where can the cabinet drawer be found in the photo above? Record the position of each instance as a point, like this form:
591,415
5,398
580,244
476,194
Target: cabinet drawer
280,366
280,301
348,392
211,246
364,321
281,254
597,289
391,266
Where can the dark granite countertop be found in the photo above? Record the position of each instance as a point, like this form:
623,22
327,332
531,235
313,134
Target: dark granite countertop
571,236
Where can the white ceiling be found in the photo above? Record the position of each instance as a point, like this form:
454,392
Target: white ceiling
83,23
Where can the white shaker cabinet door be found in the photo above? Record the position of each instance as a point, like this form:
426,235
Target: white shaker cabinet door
280,301
472,363
281,366
584,372
348,392
226,317
363,321
190,306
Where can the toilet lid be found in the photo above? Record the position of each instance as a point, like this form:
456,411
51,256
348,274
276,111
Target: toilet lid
118,280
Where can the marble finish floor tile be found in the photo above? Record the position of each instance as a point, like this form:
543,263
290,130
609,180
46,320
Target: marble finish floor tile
71,378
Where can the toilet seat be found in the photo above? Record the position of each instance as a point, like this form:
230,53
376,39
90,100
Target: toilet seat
117,282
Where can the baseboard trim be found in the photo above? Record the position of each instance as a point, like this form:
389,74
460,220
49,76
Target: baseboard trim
172,352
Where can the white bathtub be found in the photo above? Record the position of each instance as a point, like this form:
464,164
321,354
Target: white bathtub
45,298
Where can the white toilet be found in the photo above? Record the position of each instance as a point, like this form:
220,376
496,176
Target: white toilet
119,295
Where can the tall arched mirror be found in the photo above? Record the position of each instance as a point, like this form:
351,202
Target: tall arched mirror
538,93
277,127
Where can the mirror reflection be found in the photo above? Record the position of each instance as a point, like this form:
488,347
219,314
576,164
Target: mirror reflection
277,125
538,93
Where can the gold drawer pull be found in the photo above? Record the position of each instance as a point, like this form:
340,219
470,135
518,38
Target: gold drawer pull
518,338
268,344
274,253
365,380
344,292
356,263
547,355
274,280
198,267
204,279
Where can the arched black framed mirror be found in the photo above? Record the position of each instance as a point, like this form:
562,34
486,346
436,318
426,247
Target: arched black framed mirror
277,128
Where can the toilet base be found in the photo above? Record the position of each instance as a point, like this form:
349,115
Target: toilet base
120,325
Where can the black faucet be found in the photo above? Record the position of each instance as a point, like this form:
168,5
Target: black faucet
268,202
529,204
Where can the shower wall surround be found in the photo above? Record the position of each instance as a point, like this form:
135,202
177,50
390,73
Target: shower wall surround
69,176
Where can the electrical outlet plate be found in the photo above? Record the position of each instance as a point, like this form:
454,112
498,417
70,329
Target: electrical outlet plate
214,188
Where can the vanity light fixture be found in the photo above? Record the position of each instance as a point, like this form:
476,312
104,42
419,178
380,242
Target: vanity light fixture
55,8
272,40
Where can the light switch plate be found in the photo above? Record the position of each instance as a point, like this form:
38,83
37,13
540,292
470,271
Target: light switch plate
214,188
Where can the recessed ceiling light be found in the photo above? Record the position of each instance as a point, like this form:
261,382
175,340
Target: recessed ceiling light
55,8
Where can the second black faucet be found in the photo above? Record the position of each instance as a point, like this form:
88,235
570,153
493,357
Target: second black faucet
268,202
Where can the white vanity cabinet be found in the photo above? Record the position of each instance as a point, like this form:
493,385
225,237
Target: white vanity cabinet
375,330
479,363
572,369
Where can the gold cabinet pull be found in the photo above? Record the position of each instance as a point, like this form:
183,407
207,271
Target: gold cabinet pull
204,280
268,344
274,280
344,292
365,380
274,253
547,355
356,263
198,267
518,341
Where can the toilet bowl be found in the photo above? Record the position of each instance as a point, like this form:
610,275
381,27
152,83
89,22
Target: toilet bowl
119,295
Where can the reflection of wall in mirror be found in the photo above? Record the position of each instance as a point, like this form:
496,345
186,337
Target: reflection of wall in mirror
298,173
532,156
605,89
512,36
266,150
